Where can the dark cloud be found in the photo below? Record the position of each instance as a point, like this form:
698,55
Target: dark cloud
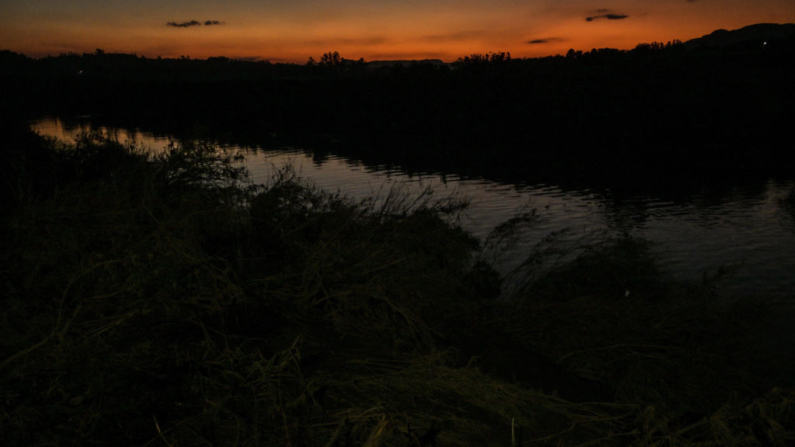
183,24
545,40
193,23
607,16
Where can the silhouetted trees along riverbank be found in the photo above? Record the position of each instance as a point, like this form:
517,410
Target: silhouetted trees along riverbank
667,109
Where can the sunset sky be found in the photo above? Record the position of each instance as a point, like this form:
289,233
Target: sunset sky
294,30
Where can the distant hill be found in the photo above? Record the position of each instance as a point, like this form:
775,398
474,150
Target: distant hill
760,33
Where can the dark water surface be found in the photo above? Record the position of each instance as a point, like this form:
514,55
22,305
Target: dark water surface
694,232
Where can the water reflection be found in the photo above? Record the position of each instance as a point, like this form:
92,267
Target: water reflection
68,129
691,231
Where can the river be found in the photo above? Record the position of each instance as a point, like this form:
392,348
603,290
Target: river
743,224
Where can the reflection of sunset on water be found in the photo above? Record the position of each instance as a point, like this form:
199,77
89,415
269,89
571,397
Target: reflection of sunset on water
69,131
293,31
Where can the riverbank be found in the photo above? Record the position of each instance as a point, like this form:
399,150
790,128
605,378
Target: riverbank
159,300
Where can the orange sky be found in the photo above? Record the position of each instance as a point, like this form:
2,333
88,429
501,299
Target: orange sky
294,30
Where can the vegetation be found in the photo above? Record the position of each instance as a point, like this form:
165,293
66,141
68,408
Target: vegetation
159,299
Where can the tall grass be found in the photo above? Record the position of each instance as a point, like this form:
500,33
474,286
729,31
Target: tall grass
162,300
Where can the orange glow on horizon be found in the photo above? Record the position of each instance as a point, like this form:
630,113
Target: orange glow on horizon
283,31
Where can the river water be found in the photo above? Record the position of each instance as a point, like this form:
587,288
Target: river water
745,225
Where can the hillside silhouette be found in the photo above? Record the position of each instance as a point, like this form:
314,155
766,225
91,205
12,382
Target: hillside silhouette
714,106
750,35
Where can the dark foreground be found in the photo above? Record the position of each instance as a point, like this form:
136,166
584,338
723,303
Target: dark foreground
155,301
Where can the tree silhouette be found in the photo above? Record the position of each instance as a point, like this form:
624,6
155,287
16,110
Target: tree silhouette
482,59
331,59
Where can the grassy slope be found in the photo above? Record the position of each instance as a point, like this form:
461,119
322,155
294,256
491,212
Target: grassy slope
154,301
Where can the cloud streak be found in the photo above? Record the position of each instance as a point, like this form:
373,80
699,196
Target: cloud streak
606,16
183,24
544,40
193,23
